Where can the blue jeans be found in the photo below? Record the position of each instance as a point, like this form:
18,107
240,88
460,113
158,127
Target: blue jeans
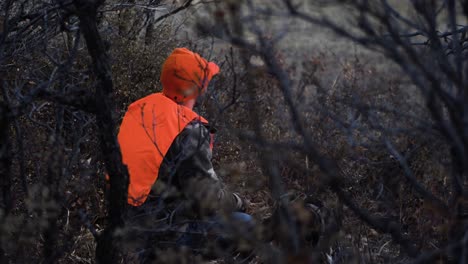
198,232
196,236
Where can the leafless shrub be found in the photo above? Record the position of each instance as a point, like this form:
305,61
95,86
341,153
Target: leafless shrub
397,130
60,124
345,161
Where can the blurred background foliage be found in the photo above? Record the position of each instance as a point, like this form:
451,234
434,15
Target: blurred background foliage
359,106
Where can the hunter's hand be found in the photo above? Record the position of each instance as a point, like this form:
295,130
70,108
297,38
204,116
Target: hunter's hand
239,202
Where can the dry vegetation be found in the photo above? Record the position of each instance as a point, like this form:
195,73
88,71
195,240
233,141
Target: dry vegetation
360,109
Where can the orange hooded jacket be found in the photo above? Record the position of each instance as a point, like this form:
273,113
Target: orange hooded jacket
148,129
151,124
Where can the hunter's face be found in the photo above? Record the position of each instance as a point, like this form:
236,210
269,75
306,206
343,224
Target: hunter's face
200,99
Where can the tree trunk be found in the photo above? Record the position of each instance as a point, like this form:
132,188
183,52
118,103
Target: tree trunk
106,250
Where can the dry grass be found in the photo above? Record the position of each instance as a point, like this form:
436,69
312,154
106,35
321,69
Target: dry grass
326,70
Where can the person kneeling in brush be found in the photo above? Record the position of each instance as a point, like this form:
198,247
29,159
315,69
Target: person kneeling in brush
167,148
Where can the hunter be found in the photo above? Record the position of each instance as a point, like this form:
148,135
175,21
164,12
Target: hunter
167,148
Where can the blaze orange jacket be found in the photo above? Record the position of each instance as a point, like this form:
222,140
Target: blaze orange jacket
148,129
